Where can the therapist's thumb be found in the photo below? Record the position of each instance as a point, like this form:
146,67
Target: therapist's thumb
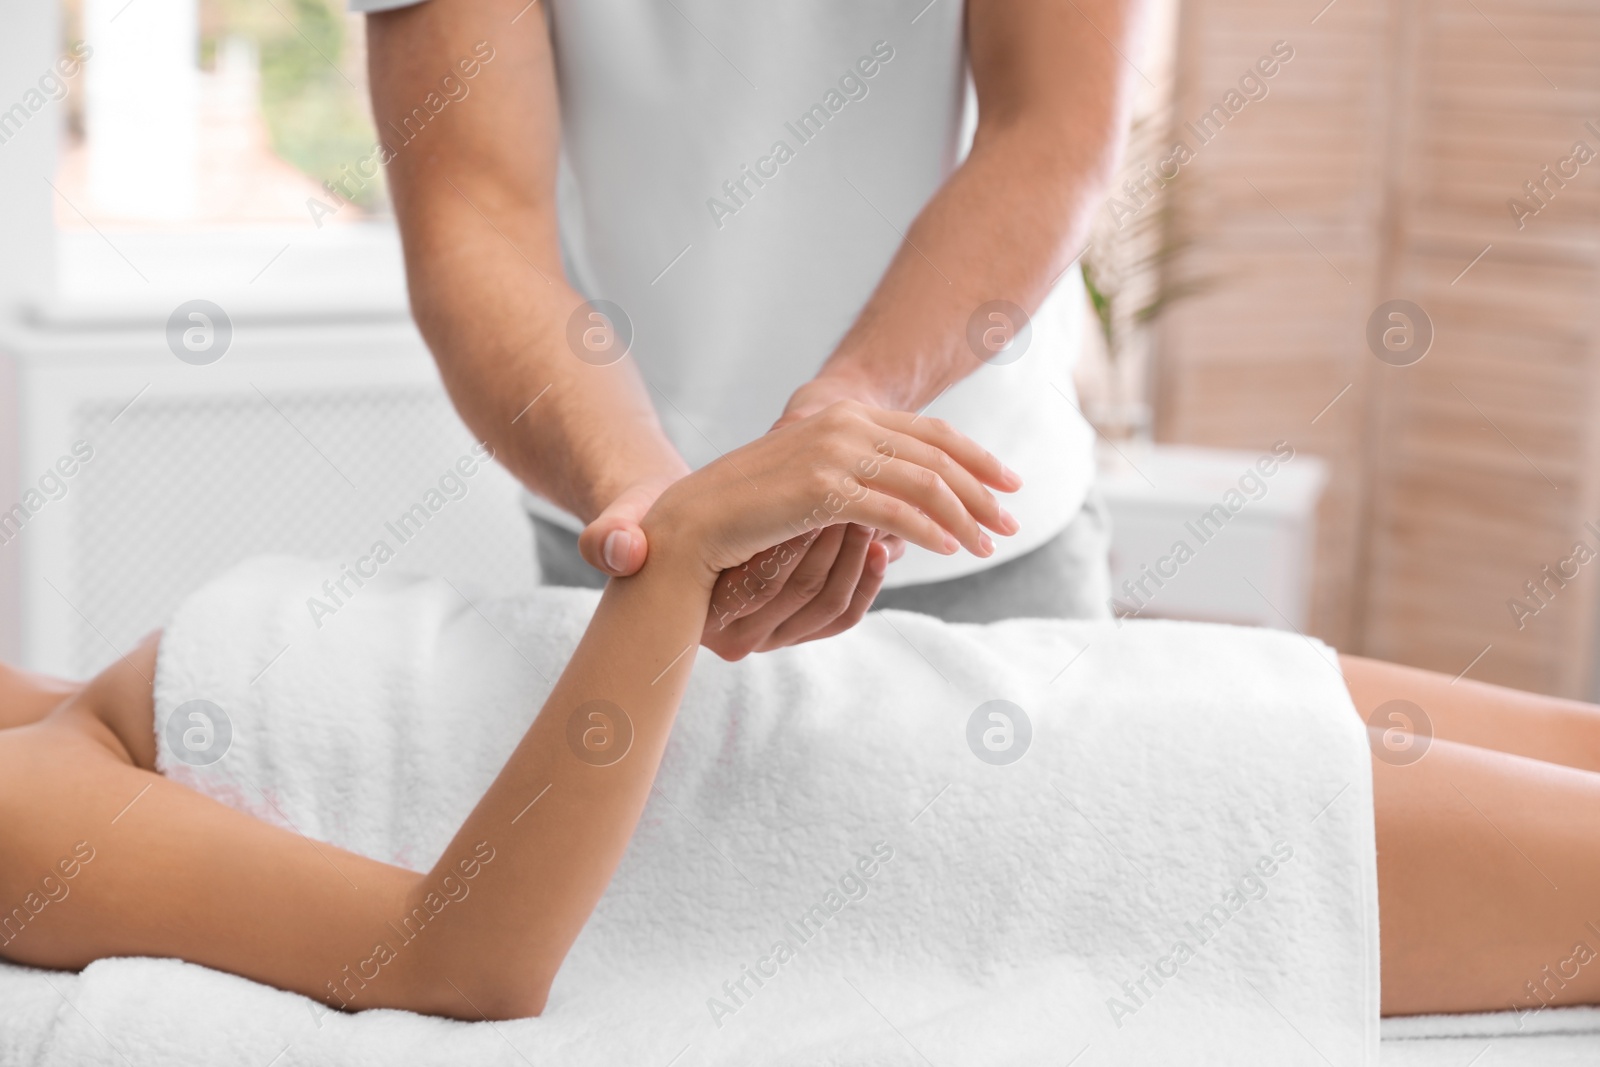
614,542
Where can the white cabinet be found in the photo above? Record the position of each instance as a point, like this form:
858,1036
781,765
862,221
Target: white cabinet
1209,534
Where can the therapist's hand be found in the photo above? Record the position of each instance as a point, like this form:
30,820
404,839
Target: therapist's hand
613,543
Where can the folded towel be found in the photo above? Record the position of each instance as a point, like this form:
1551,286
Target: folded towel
844,861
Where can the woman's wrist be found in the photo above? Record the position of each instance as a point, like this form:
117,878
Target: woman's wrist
676,543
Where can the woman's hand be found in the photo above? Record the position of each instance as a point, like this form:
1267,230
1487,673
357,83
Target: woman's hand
804,589
915,477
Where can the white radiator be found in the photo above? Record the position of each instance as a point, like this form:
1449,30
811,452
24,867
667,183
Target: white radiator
310,439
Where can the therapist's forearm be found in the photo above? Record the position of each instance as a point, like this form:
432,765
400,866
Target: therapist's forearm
991,233
1054,102
474,192
499,334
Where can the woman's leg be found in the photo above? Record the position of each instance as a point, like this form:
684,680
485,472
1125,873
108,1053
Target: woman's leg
1488,847
1488,882
1476,713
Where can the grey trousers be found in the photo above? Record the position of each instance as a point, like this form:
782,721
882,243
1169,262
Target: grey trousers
1067,577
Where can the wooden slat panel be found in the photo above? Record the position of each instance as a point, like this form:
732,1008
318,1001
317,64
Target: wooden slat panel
1380,166
1487,462
1281,213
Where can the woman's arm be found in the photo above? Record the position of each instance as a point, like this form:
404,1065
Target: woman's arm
154,868
160,870
626,677
552,860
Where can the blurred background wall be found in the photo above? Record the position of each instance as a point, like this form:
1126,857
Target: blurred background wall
1363,228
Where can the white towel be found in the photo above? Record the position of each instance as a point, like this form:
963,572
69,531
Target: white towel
1199,785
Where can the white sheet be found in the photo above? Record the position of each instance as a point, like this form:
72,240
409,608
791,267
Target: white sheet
1550,1037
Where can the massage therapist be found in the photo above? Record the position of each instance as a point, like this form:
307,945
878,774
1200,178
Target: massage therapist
649,230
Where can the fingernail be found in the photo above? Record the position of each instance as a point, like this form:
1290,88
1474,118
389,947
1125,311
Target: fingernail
1011,474
951,544
1009,521
985,543
616,549
877,563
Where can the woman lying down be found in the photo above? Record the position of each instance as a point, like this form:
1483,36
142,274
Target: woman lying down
183,871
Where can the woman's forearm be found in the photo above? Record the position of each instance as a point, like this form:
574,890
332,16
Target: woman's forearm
558,818
544,841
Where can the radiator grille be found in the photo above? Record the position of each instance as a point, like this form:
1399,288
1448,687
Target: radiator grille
181,489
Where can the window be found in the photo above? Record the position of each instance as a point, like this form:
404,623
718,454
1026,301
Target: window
196,142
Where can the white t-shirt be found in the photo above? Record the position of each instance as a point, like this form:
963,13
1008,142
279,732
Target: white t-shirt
737,176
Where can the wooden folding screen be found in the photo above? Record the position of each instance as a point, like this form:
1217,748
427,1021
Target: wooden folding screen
1383,161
